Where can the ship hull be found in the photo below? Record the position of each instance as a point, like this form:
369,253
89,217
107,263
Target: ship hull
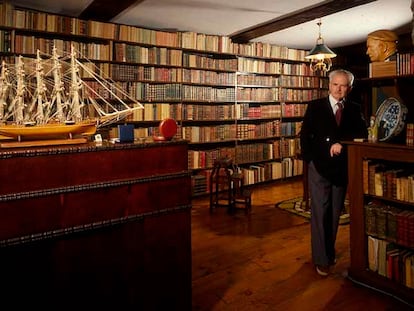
48,131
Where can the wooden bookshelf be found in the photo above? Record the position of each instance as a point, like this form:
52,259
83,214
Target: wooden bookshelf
358,154
192,78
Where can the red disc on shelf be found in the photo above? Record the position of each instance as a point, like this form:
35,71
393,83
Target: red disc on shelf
168,128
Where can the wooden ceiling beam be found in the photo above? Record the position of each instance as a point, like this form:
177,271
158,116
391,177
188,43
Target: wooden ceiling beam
105,10
295,18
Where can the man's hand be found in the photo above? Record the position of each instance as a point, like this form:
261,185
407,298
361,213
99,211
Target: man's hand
336,149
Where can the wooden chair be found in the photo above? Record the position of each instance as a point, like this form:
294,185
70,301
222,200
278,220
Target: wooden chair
227,188
220,184
241,196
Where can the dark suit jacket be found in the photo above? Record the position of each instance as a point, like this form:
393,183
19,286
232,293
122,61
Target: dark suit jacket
319,132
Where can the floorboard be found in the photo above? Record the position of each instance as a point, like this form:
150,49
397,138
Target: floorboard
261,261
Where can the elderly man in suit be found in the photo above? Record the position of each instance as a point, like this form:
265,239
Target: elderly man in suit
327,123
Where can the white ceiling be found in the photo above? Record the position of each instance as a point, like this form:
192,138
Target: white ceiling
227,17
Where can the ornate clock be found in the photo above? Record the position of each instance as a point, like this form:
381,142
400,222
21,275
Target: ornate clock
390,118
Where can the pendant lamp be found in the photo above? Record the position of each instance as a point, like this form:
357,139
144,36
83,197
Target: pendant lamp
320,56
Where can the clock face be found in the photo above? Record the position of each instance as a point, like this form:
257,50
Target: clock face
390,118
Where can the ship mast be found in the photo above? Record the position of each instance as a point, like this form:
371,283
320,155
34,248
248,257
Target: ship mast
76,85
36,112
58,87
4,90
18,102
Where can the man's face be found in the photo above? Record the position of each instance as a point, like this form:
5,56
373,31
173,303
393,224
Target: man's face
374,49
338,87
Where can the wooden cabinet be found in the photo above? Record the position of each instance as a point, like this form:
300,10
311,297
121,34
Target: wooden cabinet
395,156
96,227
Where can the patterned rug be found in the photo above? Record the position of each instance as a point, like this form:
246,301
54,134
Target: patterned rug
297,206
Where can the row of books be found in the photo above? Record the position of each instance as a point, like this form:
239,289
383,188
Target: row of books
248,79
47,22
390,223
122,52
272,171
301,95
261,130
290,128
302,69
242,154
147,55
244,112
138,90
41,21
259,66
228,132
178,92
247,111
208,77
202,61
144,73
302,81
252,174
197,76
20,44
205,112
289,147
402,65
258,94
391,261
198,134
204,159
167,74
162,92
206,93
154,111
409,134
390,181
208,112
293,109
250,153
405,64
5,41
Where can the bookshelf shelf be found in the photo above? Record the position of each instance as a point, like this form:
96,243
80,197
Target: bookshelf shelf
363,204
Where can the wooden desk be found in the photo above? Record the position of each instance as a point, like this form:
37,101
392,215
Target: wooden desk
98,227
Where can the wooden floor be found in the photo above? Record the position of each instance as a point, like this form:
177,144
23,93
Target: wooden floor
262,261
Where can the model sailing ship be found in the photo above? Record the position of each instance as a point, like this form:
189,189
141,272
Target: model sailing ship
47,102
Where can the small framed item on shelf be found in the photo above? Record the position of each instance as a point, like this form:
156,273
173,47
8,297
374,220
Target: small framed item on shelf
126,133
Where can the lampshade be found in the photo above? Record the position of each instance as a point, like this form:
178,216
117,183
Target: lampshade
320,56
320,51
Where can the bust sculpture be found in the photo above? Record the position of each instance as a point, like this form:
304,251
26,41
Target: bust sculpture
381,45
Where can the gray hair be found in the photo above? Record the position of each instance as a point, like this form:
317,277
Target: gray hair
349,74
